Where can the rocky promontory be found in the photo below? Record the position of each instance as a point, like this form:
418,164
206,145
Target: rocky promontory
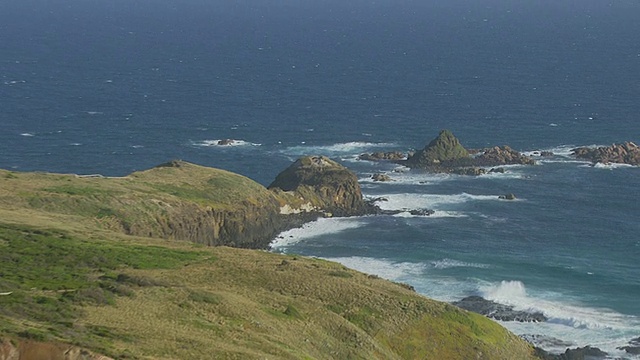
317,183
625,153
183,201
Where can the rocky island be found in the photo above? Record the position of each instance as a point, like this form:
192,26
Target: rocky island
625,153
445,154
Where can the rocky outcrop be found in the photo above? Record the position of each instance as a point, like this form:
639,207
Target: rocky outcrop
509,196
502,155
383,156
328,186
497,311
381,177
625,153
445,154
441,151
633,347
34,350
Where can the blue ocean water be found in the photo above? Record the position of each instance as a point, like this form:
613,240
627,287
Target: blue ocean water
112,87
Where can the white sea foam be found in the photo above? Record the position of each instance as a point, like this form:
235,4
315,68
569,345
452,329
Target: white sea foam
428,201
27,134
558,310
348,148
612,166
223,143
390,270
451,263
409,178
322,226
568,320
437,214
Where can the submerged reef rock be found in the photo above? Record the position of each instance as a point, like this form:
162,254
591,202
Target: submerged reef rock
625,153
324,184
497,311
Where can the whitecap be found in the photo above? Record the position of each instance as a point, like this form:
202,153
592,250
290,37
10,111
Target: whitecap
94,112
447,263
557,310
384,268
400,176
436,215
568,320
611,166
75,144
27,134
428,201
224,143
346,148
322,226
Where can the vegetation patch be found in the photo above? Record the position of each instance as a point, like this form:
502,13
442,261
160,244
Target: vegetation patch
49,275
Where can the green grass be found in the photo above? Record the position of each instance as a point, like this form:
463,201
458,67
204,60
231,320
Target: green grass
51,275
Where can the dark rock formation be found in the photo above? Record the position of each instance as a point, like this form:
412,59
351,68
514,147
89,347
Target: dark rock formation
583,353
422,212
226,142
502,155
497,311
626,153
509,196
442,150
382,156
546,153
445,154
544,341
633,347
497,171
472,171
381,177
325,184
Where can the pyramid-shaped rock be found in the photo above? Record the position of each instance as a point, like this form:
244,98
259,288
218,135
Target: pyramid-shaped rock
446,148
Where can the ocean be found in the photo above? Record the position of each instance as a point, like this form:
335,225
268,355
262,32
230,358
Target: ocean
112,87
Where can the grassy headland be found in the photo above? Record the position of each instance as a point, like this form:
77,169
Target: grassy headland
97,263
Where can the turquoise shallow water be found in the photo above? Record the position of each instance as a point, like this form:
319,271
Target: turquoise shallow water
113,87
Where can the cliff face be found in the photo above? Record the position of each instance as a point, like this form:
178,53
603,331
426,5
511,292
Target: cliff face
322,184
183,201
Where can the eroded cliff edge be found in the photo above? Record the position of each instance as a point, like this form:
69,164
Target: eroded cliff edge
183,201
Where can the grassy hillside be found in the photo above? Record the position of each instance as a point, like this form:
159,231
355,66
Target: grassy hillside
67,276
